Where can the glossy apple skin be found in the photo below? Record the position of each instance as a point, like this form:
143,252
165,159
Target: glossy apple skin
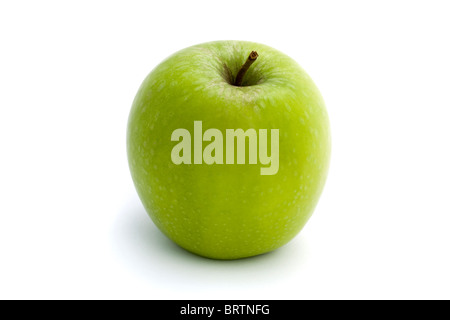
229,211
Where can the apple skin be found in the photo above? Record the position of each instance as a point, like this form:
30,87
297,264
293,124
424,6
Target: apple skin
225,211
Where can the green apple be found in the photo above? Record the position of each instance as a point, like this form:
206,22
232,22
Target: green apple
229,149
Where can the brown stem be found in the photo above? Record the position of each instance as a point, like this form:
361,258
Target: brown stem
240,76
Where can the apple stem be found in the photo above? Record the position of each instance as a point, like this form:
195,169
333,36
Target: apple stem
240,76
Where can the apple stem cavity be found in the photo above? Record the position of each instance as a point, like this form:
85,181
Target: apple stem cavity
240,76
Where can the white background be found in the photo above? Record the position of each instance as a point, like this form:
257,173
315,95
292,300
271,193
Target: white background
71,225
